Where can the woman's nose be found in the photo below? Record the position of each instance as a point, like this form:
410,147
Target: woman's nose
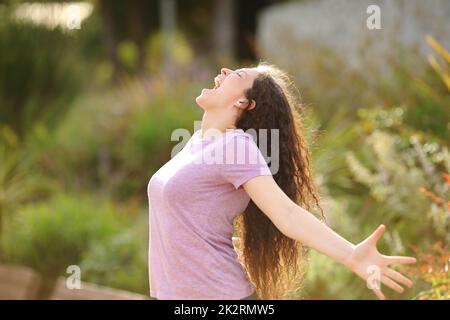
225,71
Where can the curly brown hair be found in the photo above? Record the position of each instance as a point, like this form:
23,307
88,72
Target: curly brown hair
275,263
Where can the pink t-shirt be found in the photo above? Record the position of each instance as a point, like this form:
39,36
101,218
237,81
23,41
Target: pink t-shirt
192,203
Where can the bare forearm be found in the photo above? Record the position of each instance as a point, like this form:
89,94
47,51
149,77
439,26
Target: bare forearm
303,226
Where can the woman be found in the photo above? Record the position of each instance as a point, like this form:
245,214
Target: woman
194,202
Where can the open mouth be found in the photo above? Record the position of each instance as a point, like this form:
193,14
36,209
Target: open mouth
216,83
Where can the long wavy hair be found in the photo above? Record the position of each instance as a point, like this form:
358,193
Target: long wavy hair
275,263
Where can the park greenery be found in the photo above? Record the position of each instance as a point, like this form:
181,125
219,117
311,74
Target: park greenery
78,145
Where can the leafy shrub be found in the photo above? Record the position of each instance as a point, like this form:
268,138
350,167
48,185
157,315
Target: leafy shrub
19,182
50,236
430,112
122,262
433,270
391,169
392,165
326,279
440,207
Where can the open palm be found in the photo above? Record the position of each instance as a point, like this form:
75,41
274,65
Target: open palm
368,263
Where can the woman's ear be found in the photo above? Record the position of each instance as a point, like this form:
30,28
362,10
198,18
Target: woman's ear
245,105
251,105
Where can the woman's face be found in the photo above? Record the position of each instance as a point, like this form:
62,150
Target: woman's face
229,89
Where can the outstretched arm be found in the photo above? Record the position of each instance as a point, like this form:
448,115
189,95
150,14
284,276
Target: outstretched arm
299,224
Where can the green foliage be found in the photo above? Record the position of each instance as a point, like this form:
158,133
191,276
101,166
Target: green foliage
39,75
121,262
150,134
394,188
147,144
49,236
329,142
432,270
398,163
371,171
72,154
128,54
327,279
19,182
425,96
182,53
125,138
371,165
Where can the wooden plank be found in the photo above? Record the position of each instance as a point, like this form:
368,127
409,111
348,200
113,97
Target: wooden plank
91,291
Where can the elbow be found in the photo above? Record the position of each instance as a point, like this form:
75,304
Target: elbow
287,220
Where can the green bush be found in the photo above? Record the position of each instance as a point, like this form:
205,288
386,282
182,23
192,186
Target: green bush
50,236
373,171
121,262
394,163
19,181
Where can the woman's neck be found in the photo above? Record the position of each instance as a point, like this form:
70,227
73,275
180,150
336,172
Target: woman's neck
214,125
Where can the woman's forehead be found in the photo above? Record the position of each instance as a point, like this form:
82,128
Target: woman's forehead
252,72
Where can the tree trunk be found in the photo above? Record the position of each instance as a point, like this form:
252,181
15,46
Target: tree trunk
224,30
138,33
109,35
168,26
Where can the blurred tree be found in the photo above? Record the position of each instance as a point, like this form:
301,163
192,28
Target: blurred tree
168,25
131,20
40,74
229,31
224,30
109,34
246,21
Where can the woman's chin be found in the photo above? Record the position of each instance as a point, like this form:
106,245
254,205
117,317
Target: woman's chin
206,91
203,97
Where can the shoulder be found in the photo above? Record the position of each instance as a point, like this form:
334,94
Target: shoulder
239,135
244,144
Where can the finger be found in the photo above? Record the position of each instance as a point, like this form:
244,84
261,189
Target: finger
376,235
379,294
400,260
391,284
397,276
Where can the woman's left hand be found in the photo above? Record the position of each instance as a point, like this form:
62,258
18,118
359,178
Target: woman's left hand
373,266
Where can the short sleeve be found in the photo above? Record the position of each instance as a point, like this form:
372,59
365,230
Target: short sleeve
243,160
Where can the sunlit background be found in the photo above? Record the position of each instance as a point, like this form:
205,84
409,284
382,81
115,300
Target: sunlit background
90,92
